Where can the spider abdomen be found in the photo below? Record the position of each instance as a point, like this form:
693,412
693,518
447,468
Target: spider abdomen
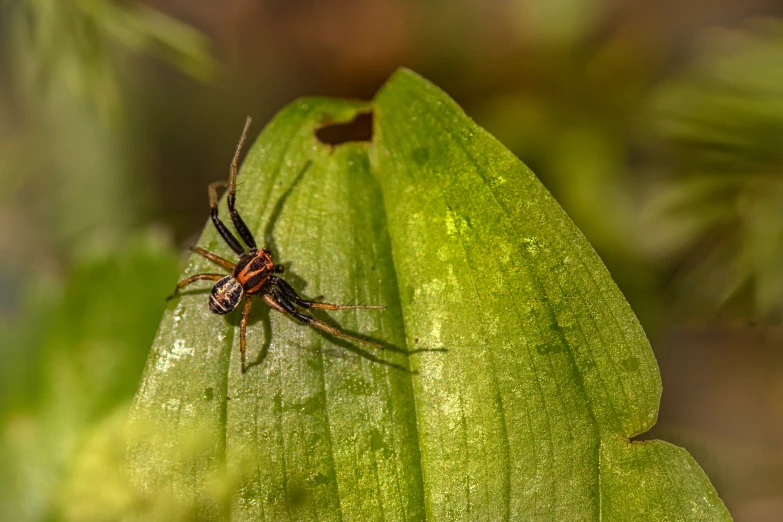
253,270
225,295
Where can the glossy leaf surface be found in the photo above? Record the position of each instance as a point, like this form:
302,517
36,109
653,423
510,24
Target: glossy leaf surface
527,371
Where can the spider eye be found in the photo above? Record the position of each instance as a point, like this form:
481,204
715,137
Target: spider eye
225,295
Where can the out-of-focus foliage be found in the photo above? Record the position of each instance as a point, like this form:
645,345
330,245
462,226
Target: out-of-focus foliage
69,362
68,162
718,211
75,45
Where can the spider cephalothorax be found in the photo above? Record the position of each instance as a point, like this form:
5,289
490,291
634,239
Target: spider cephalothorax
253,275
254,269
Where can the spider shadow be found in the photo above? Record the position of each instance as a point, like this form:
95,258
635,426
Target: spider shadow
274,217
259,313
265,317
385,345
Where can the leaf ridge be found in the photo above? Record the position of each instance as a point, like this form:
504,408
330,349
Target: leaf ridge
493,364
496,384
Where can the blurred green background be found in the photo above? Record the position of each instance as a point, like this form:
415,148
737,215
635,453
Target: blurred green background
657,125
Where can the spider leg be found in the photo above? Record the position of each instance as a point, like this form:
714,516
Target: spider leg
290,294
225,263
280,303
239,224
193,279
224,232
243,331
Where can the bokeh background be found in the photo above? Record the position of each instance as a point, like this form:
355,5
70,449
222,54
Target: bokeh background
657,125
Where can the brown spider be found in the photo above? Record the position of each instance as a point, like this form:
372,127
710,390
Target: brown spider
253,274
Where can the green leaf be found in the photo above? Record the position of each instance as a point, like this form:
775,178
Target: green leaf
527,375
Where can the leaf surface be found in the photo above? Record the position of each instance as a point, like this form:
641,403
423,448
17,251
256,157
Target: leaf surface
526,370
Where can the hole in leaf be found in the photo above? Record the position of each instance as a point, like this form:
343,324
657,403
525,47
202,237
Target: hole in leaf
359,129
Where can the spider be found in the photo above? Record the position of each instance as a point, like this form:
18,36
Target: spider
253,275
